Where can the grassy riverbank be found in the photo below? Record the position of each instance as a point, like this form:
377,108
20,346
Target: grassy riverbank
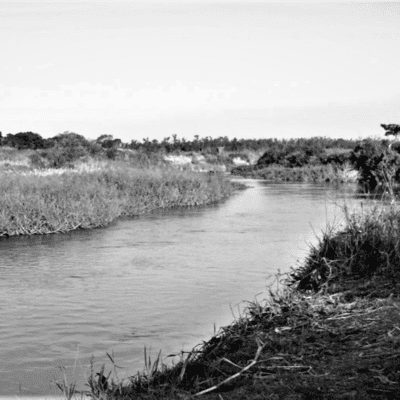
332,331
61,201
313,174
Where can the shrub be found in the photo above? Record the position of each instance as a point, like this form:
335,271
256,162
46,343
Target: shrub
375,162
67,148
37,161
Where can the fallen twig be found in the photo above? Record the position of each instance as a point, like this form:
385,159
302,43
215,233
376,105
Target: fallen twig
247,367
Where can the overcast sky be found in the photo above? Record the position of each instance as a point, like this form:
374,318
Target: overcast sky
250,70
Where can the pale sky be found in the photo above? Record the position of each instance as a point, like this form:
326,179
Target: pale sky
238,69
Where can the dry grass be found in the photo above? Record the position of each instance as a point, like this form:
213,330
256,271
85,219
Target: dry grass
43,204
295,346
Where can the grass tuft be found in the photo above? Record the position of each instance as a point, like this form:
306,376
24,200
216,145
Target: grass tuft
368,248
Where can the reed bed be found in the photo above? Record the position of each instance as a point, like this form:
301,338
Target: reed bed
329,330
42,204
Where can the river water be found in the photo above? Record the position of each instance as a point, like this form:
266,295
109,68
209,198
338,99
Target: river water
160,281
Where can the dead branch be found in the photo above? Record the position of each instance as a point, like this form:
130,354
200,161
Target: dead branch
246,368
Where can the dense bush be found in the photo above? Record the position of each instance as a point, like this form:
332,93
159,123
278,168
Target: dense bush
24,140
340,158
67,148
374,161
293,153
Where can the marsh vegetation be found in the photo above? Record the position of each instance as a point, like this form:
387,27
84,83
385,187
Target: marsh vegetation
34,203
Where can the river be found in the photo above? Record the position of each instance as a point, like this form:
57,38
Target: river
161,281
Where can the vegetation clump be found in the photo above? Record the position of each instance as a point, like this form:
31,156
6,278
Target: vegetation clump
367,249
303,160
371,162
52,203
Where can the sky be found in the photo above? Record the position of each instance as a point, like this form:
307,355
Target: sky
240,69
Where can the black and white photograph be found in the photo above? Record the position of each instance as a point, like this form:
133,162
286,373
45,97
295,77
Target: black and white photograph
199,199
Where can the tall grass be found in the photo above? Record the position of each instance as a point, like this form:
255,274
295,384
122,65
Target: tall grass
12,159
367,248
37,204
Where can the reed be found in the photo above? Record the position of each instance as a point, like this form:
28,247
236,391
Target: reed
43,204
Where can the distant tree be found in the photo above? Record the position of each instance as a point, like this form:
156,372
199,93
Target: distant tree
24,140
391,130
113,143
103,138
70,139
67,147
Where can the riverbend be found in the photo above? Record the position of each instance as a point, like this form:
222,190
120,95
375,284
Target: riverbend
161,280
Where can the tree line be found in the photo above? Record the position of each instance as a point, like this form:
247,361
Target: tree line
31,140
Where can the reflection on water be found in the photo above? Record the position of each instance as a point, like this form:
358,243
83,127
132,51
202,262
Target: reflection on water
159,281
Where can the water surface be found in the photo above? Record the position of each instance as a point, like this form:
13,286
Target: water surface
160,281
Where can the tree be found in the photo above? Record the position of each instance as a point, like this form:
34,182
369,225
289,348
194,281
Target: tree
376,164
68,147
391,130
24,140
70,139
104,138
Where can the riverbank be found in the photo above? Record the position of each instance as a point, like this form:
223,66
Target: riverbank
65,200
331,331
308,173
